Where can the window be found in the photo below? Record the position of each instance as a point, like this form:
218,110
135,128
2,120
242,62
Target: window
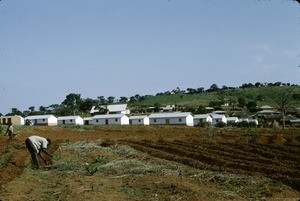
71,120
116,120
180,120
97,120
43,119
139,120
154,120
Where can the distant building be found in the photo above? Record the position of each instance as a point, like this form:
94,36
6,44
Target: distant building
168,108
88,120
70,120
139,120
266,107
118,109
111,119
111,109
232,119
198,118
249,120
216,118
267,112
175,118
47,120
15,120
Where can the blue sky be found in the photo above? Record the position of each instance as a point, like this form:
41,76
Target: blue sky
49,49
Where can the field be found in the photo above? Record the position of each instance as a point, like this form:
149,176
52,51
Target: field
153,163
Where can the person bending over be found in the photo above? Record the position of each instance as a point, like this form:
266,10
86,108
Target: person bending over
36,145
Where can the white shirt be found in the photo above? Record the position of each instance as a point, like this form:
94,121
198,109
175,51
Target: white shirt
38,142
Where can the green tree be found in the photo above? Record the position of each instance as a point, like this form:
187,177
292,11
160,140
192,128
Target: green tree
43,109
110,99
251,106
242,102
213,87
157,107
191,91
72,103
54,109
200,89
283,98
86,105
232,103
101,100
31,108
123,99
14,111
201,110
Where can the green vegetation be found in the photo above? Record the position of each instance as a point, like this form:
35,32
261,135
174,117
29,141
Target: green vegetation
128,167
247,97
238,97
6,154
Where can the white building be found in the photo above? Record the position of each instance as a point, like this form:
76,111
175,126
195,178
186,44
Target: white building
202,118
176,118
139,120
232,119
118,109
111,119
47,120
249,120
216,118
111,109
70,120
88,120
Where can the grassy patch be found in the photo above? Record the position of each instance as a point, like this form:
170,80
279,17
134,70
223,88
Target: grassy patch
6,154
77,127
90,165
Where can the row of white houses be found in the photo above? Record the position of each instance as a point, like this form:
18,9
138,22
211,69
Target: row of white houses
174,118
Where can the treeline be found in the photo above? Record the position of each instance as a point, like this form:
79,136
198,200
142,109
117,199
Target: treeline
74,104
216,88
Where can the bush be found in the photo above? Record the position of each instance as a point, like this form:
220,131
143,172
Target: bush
1,129
221,124
203,124
233,124
107,142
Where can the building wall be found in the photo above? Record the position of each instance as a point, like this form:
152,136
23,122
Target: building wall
141,121
77,121
190,120
197,121
52,121
112,121
15,120
172,121
216,120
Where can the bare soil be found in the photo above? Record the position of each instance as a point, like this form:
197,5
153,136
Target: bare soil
153,163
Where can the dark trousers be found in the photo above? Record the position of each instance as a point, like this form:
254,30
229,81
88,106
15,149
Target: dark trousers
33,152
10,135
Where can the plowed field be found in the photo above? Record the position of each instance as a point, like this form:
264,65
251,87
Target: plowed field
274,154
276,162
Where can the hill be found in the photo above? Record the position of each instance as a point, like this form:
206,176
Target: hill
247,96
229,98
